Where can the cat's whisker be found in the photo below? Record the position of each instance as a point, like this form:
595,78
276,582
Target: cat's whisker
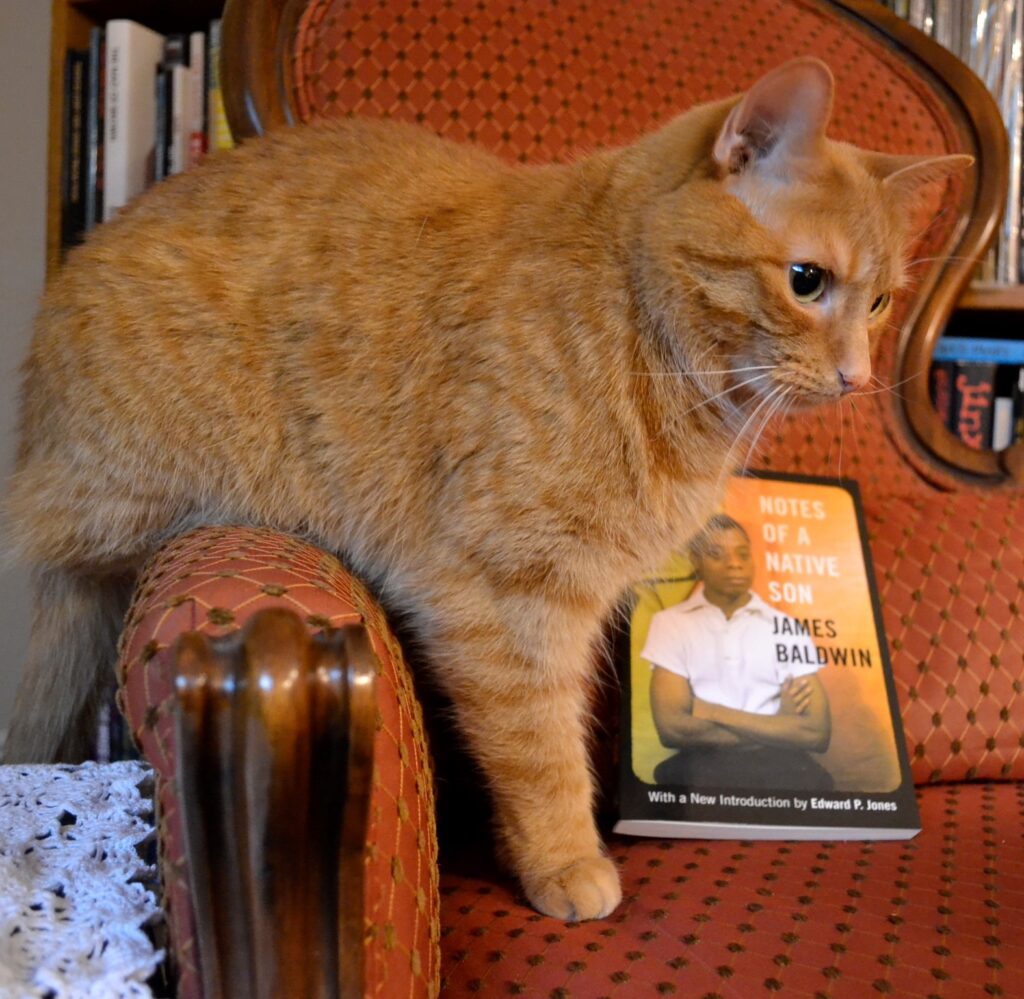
699,374
939,257
890,388
842,436
756,438
719,395
773,399
919,237
728,466
777,411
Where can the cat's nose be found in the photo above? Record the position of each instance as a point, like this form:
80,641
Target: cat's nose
852,379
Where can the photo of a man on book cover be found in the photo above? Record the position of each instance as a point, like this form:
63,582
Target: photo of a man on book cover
754,654
737,711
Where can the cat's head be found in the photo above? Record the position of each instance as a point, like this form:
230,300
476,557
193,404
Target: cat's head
778,254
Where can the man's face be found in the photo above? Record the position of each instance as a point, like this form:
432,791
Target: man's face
726,566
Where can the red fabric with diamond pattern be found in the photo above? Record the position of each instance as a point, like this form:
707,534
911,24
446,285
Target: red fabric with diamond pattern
212,580
940,915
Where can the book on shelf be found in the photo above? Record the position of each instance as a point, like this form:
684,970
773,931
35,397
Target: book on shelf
217,129
985,376
760,701
133,54
94,117
940,389
173,122
73,151
987,36
973,395
138,107
1005,405
196,118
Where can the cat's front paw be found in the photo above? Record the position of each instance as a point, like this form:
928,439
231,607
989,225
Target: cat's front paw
586,889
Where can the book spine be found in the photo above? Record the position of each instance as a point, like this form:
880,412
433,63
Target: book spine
196,98
1004,406
1018,406
163,123
94,130
133,53
940,388
175,63
73,168
218,131
988,350
115,146
178,107
974,390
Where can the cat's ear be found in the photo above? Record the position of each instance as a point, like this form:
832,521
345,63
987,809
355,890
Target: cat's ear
905,175
786,110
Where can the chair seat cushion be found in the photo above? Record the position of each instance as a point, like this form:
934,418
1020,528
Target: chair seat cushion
941,914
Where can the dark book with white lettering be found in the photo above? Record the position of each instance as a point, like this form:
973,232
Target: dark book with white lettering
758,695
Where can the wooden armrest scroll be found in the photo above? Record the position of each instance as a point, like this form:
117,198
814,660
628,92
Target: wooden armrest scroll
275,736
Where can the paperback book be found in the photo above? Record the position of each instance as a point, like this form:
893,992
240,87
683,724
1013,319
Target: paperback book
760,699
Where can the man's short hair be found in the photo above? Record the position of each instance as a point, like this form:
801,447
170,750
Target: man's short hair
700,543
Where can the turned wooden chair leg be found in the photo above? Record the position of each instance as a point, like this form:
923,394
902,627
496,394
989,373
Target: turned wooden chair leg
275,735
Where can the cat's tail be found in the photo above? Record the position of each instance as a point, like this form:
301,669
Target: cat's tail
76,620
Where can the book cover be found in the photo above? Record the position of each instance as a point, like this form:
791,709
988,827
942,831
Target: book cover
761,703
973,396
133,54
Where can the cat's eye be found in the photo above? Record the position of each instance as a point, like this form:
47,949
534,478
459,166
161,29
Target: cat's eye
808,281
879,303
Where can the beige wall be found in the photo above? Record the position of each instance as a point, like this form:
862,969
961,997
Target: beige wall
24,77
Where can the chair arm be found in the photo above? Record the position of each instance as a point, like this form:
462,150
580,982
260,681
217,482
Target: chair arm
235,585
274,732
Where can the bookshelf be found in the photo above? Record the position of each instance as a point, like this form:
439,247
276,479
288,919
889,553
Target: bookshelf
71,22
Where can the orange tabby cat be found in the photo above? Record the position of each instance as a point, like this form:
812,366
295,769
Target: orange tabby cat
500,394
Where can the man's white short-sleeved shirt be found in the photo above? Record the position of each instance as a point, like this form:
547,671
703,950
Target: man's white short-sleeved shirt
729,661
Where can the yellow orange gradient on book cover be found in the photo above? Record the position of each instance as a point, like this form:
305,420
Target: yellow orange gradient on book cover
808,563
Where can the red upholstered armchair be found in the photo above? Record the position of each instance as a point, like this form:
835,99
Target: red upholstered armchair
939,915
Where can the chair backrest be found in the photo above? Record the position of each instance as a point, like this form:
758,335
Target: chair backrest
536,81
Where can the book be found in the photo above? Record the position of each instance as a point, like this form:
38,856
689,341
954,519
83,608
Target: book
973,396
196,123
173,88
780,720
162,138
217,129
987,350
73,152
940,389
133,53
94,116
1005,404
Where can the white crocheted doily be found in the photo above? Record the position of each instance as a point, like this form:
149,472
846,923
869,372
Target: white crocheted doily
74,890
